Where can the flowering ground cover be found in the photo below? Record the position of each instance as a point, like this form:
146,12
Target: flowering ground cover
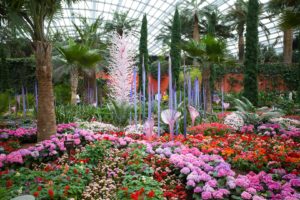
114,166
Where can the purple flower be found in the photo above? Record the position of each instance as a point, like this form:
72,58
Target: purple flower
256,197
185,170
198,189
15,157
251,190
295,182
246,195
191,183
218,194
206,195
274,186
212,183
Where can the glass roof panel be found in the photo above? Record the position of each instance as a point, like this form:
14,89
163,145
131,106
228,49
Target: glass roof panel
158,11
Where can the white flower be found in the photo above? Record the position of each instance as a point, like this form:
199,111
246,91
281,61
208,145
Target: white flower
234,120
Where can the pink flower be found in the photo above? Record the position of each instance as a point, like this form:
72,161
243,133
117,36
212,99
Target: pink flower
218,194
14,157
256,197
295,182
77,141
191,183
198,189
185,170
206,195
246,195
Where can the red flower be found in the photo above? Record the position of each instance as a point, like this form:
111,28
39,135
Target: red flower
87,170
75,171
39,188
9,183
67,187
36,194
151,194
51,193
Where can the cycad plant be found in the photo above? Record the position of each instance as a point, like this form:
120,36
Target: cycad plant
120,113
253,115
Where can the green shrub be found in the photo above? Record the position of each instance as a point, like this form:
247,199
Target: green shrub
4,99
71,113
62,94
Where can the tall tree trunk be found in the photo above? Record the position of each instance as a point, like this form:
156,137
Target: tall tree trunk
196,35
241,46
46,121
74,84
207,88
89,80
287,46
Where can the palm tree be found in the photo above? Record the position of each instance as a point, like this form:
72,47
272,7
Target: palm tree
210,16
89,36
186,31
287,8
192,7
214,23
30,16
238,16
75,57
208,51
121,23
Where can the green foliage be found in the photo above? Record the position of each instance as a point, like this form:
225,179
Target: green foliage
153,69
76,177
143,49
15,72
62,94
4,99
120,23
298,72
79,55
252,115
175,50
71,113
120,113
96,152
250,73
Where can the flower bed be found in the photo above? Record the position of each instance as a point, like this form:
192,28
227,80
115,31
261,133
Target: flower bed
136,169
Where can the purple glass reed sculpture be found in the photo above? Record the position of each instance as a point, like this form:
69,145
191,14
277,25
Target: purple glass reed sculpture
184,91
222,91
189,89
158,100
149,100
144,88
23,101
175,106
170,85
204,101
134,97
96,94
